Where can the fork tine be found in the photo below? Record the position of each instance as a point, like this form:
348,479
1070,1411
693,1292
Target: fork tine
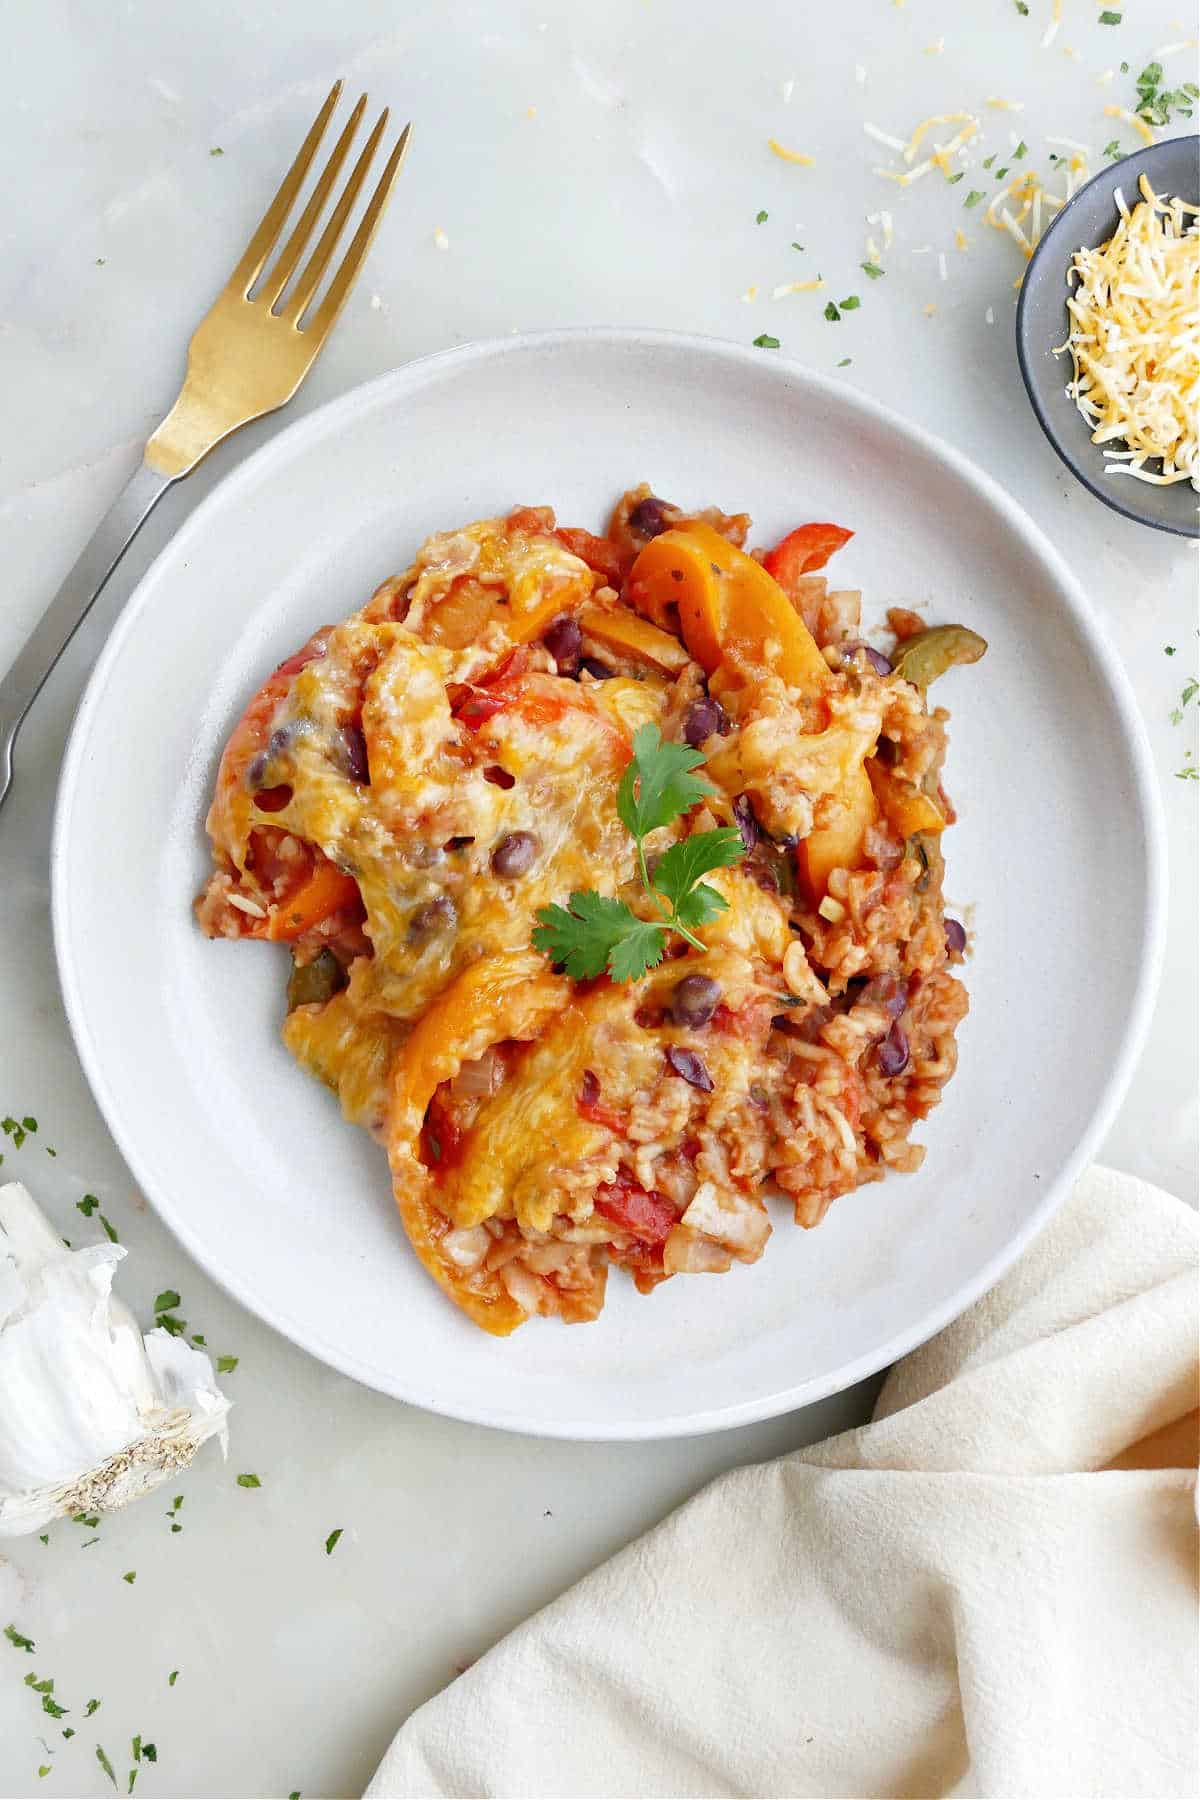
273,220
318,262
347,275
282,273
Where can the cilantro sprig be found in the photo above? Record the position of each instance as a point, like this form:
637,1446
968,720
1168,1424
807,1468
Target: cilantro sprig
594,932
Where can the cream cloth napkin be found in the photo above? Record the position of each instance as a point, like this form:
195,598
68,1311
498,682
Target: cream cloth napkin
989,1590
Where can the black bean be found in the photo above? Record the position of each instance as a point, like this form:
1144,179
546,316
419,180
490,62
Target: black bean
956,937
563,640
690,1066
600,670
695,999
704,718
744,819
649,517
892,1054
514,853
433,917
354,755
256,773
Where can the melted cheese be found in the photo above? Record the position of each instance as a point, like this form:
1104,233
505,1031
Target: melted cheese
1135,341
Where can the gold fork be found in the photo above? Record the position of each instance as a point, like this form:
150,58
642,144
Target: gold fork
247,358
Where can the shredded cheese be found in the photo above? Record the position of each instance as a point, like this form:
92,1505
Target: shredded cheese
796,287
1051,31
1128,118
1135,340
791,156
440,240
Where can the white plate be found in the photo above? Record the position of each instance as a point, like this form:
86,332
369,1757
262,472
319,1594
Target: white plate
1058,853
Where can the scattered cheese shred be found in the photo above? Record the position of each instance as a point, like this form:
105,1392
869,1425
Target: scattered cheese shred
796,287
1135,340
930,310
860,74
791,156
1104,79
789,88
936,48
943,271
1051,31
1000,105
960,238
751,293
1128,118
990,316
1165,50
440,240
953,118
884,137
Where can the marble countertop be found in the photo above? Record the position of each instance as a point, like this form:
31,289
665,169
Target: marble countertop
586,164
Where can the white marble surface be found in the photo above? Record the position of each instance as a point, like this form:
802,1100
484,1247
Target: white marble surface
588,163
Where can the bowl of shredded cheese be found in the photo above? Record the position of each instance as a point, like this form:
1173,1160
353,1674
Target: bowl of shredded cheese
1108,335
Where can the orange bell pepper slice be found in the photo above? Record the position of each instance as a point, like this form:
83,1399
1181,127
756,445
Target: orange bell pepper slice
906,809
511,995
727,603
318,897
632,635
839,844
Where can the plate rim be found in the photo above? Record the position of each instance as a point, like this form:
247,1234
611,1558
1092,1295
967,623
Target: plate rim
696,1422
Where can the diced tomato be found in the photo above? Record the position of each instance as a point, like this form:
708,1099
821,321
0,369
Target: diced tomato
803,551
591,1105
629,1207
600,554
479,707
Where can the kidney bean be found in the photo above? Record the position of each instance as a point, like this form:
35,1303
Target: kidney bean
273,799
433,917
514,854
599,670
354,755
691,1067
876,658
704,718
956,937
563,640
744,819
695,999
649,517
886,991
892,1054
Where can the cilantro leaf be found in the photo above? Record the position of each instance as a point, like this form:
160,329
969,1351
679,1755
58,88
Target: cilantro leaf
584,935
699,906
680,868
658,785
764,341
331,1541
871,269
248,1481
640,949
166,1300
102,1759
87,1205
226,1365
18,1640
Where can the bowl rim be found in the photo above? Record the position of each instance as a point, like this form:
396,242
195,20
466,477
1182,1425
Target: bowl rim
1127,1050
1038,268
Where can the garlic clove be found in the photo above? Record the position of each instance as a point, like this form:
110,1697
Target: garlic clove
91,1414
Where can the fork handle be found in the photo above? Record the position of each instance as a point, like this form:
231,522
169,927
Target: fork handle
70,606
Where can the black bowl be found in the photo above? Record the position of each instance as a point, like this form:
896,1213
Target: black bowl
1090,217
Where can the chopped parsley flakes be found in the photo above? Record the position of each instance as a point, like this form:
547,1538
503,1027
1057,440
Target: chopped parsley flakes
87,1205
331,1541
832,313
18,1640
871,270
130,1576
1110,18
973,198
760,218
167,1300
851,303
764,341
102,1759
226,1365
173,1677
248,1481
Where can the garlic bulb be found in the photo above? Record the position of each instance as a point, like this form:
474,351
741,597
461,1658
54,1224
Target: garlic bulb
91,1415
